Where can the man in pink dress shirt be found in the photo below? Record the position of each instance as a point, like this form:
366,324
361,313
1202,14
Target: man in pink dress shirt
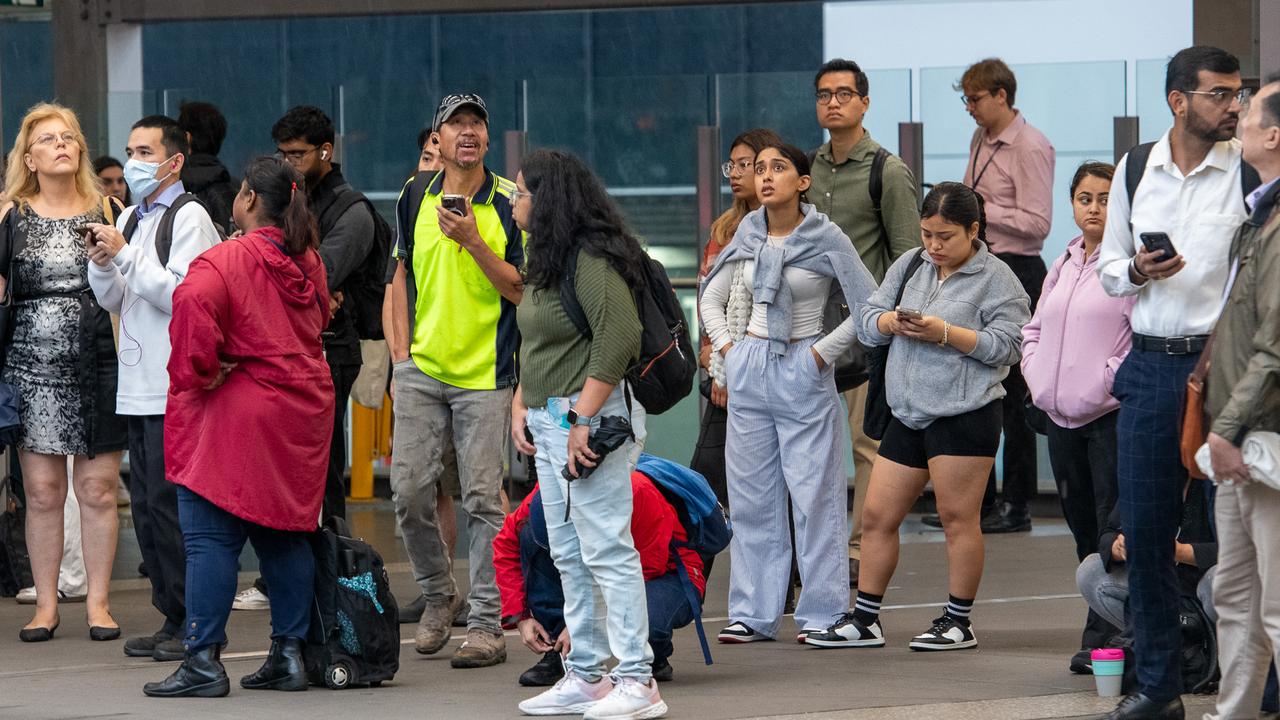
1011,166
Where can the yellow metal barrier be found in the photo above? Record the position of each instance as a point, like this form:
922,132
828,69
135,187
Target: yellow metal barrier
370,441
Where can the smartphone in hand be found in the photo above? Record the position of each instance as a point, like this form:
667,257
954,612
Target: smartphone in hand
905,313
1158,242
85,232
456,204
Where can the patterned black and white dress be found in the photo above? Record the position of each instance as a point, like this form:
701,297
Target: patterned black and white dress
56,354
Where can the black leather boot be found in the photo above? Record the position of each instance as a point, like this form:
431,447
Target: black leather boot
200,675
284,668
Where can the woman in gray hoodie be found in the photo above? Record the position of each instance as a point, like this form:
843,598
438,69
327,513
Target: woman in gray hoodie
951,342
784,417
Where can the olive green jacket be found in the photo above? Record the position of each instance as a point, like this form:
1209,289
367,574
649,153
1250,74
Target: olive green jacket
1244,374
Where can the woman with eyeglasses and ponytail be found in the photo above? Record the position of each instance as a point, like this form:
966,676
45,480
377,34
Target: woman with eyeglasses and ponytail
247,427
951,341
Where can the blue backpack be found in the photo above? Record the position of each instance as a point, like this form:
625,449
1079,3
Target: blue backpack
705,522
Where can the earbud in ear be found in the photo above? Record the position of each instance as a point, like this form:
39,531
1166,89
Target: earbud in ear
324,154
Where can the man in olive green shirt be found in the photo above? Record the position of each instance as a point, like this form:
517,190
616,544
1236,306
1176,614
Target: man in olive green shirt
842,189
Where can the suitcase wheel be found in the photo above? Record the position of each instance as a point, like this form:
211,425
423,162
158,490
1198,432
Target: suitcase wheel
338,676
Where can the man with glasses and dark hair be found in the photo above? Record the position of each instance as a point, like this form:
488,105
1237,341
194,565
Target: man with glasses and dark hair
1011,166
453,346
304,138
871,195
1186,190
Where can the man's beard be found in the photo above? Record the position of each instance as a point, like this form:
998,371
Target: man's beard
1207,132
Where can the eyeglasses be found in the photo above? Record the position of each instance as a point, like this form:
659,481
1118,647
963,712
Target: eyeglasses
742,166
968,100
517,194
1223,96
842,96
294,155
47,139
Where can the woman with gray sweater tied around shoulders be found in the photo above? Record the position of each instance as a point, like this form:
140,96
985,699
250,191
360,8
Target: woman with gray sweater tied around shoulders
951,342
784,417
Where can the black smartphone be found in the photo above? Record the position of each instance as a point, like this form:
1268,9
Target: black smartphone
84,231
1158,242
456,204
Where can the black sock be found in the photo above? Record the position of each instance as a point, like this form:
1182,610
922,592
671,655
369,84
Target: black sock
959,609
866,609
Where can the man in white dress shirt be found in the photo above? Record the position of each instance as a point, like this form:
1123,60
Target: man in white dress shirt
1188,185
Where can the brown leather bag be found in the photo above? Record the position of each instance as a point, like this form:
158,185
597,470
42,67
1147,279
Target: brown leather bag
1194,430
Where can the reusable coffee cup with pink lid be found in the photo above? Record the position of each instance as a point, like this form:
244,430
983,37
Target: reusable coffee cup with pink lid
1108,670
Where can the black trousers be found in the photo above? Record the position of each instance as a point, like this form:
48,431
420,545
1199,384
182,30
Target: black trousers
708,453
1084,468
335,483
1019,458
154,503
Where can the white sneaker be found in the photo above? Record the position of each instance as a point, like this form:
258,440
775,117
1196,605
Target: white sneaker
27,596
571,695
630,700
251,599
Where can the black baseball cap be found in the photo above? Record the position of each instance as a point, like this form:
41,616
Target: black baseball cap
451,104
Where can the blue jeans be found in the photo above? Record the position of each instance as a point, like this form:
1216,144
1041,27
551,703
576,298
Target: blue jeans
668,605
1150,387
214,539
594,550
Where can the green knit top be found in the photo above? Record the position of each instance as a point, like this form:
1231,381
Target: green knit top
556,359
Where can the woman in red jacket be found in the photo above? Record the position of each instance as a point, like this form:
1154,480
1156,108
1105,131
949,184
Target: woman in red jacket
247,427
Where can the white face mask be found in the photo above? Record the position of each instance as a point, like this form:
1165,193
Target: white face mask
141,177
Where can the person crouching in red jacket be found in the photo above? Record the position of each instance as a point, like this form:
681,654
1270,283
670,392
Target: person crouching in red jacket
247,427
533,601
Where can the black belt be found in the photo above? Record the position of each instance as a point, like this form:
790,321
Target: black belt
1184,345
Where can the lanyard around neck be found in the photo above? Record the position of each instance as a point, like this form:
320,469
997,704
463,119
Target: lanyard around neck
977,174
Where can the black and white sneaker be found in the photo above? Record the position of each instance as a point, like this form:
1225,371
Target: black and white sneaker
946,634
737,633
848,632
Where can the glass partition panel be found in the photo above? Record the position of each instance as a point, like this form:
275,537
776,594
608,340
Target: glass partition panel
890,92
1071,103
26,72
1154,117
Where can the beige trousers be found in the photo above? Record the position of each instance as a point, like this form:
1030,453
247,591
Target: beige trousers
1246,594
864,454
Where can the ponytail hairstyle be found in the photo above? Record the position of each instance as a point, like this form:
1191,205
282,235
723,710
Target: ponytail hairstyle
283,194
958,204
797,158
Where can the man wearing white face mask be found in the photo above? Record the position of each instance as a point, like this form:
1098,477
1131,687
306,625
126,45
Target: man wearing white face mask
134,268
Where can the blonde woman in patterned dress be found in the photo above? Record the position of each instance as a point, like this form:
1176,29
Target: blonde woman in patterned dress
60,355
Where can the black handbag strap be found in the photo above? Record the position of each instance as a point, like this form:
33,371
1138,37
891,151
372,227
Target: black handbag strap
912,267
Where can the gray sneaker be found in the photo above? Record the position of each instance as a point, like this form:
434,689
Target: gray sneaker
433,626
481,649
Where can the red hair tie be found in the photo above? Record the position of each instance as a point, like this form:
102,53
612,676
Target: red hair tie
295,187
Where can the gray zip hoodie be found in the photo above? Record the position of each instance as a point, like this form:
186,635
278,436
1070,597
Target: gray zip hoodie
925,381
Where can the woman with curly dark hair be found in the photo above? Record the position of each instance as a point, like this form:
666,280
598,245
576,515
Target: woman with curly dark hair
570,386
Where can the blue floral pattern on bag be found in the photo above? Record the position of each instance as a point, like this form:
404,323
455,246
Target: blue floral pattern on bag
363,584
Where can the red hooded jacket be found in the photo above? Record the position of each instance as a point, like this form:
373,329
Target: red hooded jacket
258,445
654,524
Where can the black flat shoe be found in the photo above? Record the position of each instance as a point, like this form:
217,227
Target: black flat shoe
544,673
1141,707
37,634
99,633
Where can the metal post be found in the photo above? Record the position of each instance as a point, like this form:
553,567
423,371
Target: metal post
1126,135
515,144
911,150
707,181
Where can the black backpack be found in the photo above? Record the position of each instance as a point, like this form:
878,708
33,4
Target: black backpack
1136,166
354,638
164,233
852,367
1198,658
664,375
876,415
364,288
